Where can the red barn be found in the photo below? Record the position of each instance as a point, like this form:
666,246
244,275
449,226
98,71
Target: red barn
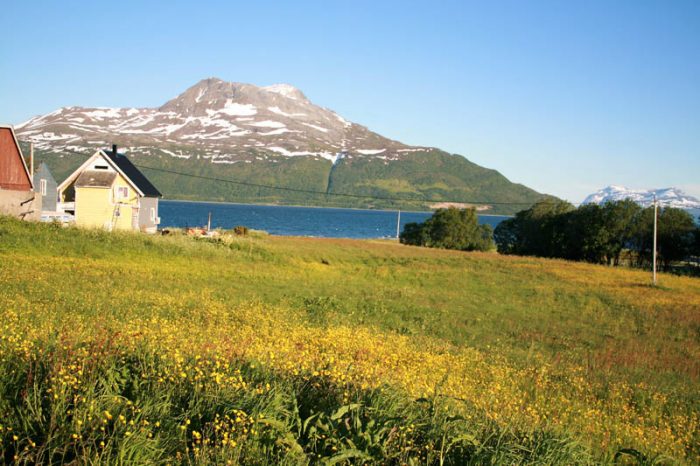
17,197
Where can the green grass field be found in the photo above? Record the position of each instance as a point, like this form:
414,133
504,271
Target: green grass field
124,348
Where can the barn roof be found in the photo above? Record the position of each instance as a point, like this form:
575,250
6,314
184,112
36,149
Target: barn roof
11,130
43,172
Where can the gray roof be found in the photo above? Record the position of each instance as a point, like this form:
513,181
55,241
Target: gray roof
95,179
43,172
133,173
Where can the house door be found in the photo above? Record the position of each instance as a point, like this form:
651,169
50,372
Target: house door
135,218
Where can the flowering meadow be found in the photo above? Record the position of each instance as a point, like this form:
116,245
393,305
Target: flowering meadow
127,349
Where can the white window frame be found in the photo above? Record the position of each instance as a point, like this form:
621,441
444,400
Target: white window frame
119,192
153,214
42,187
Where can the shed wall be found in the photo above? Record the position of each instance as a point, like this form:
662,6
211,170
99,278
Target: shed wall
48,201
93,207
11,203
145,222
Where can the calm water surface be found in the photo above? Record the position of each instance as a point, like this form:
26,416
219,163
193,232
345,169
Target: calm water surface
293,221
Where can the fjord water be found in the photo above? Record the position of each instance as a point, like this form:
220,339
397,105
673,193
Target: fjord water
294,221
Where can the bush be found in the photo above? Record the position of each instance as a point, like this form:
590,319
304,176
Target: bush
450,229
240,230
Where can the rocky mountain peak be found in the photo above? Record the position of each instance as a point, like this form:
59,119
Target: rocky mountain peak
213,93
223,121
286,90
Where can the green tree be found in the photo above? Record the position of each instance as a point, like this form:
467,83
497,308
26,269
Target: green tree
507,236
619,218
641,239
676,235
599,234
586,235
537,231
450,229
414,234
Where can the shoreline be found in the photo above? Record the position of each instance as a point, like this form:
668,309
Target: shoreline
315,207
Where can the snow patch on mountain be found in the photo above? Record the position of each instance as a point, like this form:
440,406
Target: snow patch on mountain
235,109
275,132
287,153
268,124
104,112
173,154
345,122
286,90
279,111
201,93
370,151
319,128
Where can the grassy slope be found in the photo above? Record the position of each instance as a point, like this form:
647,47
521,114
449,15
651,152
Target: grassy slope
583,351
433,175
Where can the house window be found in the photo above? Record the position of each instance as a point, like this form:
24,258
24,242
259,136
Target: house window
101,167
122,192
153,214
42,187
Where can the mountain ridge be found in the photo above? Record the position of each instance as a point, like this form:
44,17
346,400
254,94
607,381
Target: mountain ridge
666,197
270,135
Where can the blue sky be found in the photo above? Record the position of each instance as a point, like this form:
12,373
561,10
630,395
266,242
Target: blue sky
565,97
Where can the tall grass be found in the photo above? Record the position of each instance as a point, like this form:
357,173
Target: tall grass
123,348
105,400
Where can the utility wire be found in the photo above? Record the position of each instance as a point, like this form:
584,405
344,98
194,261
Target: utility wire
323,193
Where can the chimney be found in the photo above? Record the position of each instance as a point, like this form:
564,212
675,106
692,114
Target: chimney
114,150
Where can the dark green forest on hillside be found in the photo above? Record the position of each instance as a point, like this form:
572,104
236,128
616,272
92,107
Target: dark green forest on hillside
418,177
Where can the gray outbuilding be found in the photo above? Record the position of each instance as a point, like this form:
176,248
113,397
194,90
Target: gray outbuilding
45,185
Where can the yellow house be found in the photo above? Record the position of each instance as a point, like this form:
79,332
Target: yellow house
108,191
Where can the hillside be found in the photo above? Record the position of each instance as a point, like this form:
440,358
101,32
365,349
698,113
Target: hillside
274,350
269,135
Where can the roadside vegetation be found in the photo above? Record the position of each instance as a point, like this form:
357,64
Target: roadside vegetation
124,348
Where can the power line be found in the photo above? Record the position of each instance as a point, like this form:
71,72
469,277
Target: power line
323,193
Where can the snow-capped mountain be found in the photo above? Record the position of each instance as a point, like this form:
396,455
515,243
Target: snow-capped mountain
261,137
222,121
667,197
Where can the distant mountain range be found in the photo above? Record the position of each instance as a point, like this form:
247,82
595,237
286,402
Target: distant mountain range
272,136
667,197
